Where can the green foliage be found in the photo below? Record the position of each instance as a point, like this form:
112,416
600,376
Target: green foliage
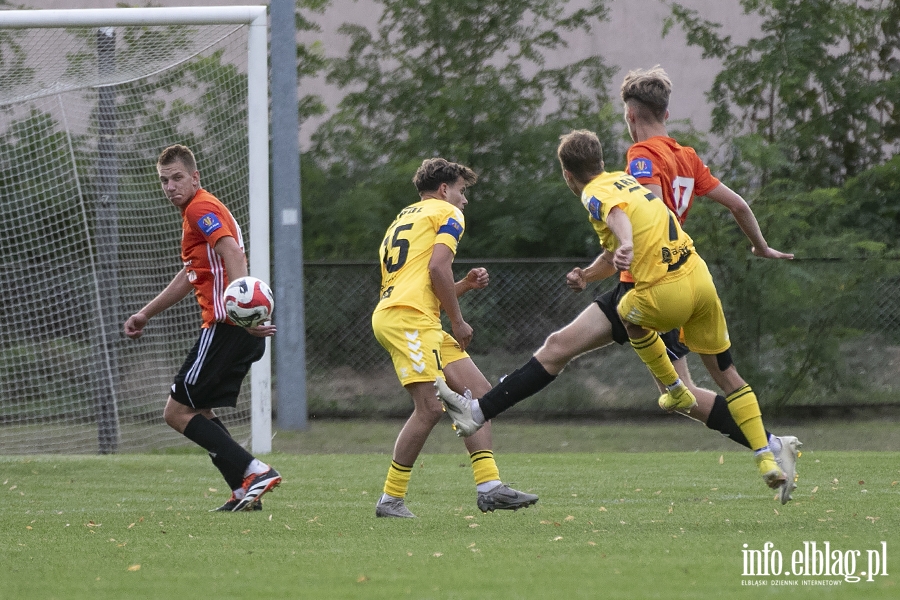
817,90
790,322
873,199
468,81
310,57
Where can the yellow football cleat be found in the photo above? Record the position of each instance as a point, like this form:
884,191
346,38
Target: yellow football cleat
678,398
770,471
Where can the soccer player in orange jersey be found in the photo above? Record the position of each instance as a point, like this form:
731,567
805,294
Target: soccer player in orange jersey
212,253
672,288
677,175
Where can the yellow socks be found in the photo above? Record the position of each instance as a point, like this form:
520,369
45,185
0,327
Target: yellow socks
484,467
397,480
744,409
652,351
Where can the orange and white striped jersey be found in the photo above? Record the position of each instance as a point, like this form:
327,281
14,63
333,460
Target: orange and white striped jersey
205,220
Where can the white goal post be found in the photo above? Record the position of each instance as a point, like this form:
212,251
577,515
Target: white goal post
87,238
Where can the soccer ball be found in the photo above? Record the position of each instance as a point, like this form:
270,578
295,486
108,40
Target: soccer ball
249,301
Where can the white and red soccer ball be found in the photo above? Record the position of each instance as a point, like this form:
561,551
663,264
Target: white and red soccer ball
249,301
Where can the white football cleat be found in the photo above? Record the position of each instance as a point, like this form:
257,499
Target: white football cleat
787,460
459,408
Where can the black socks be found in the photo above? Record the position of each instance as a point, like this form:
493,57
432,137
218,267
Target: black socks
515,387
233,475
222,448
720,420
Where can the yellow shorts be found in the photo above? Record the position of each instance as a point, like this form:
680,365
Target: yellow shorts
691,303
419,348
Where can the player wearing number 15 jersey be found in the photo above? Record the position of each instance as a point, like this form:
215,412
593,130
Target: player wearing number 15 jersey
416,283
407,249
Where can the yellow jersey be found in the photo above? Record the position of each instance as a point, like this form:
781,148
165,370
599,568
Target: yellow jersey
406,252
662,250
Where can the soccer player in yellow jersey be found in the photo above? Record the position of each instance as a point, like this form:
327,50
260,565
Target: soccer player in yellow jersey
672,289
416,283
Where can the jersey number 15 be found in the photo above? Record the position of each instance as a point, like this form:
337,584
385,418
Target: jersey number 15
402,245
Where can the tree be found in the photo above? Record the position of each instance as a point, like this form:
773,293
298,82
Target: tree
310,58
814,98
466,80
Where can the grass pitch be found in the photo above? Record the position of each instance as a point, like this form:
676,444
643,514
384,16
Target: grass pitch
608,525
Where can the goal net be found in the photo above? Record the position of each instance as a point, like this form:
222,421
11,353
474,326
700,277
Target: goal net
88,99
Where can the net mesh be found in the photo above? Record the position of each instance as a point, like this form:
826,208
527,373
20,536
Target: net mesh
88,237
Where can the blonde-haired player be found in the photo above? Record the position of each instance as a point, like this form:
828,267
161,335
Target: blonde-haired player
672,289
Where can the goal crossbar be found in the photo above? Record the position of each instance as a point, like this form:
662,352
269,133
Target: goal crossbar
112,17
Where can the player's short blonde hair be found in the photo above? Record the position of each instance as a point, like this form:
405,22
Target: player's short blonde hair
435,171
648,92
581,154
178,153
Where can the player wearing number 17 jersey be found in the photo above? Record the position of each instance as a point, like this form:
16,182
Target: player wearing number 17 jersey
672,289
677,175
663,166
416,283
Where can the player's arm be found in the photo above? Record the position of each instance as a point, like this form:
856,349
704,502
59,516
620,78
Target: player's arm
475,279
746,220
602,267
236,267
655,188
233,256
440,269
619,223
173,293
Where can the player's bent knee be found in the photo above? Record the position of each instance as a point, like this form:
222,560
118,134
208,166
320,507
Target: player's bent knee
430,413
556,352
554,344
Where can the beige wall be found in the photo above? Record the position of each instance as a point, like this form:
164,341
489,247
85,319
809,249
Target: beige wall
630,39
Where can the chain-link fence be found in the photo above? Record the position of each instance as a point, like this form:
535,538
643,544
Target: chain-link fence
805,333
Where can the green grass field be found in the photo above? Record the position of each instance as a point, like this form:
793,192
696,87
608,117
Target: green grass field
612,522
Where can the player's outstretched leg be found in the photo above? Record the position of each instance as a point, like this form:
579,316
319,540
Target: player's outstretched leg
459,408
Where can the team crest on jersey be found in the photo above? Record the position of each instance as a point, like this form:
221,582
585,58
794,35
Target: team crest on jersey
641,167
594,207
453,227
209,223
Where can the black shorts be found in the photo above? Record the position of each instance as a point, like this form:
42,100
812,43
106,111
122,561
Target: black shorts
212,374
608,303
